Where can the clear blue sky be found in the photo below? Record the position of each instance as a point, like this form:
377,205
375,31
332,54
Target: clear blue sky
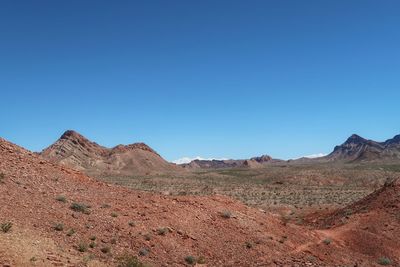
201,78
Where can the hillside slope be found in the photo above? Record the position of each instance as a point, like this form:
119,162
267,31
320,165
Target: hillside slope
76,151
40,198
61,217
370,226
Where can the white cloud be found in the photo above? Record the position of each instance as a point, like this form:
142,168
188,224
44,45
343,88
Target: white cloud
187,159
318,155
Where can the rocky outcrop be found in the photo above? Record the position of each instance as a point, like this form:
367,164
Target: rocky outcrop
74,150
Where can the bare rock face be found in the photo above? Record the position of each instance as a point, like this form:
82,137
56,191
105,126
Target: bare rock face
392,148
262,159
76,151
72,149
252,164
357,148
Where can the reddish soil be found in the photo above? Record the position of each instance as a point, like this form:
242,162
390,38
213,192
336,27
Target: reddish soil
223,231
370,226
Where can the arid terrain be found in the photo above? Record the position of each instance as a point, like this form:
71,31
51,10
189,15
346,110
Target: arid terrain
276,187
280,214
74,150
200,133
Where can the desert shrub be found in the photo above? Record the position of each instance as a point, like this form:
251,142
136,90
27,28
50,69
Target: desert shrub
61,199
113,241
6,227
348,212
71,232
143,252
58,227
311,258
226,214
384,261
327,241
93,238
2,177
82,247
132,224
87,258
105,206
105,249
162,231
190,260
80,207
147,237
201,260
92,244
114,215
129,261
248,245
283,239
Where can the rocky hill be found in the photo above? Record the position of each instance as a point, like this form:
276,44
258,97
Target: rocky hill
76,151
255,162
369,226
358,149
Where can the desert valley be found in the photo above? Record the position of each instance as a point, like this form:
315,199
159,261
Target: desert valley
78,203
199,133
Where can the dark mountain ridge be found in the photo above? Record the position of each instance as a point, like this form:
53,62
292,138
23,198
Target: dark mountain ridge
358,149
255,162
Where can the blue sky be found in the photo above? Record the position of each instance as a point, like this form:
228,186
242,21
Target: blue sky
223,79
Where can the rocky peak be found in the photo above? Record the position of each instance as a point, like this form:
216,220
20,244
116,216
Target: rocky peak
76,139
394,141
125,148
70,134
355,139
261,159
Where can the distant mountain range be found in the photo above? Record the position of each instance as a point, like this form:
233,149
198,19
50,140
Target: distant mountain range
256,162
354,150
74,150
